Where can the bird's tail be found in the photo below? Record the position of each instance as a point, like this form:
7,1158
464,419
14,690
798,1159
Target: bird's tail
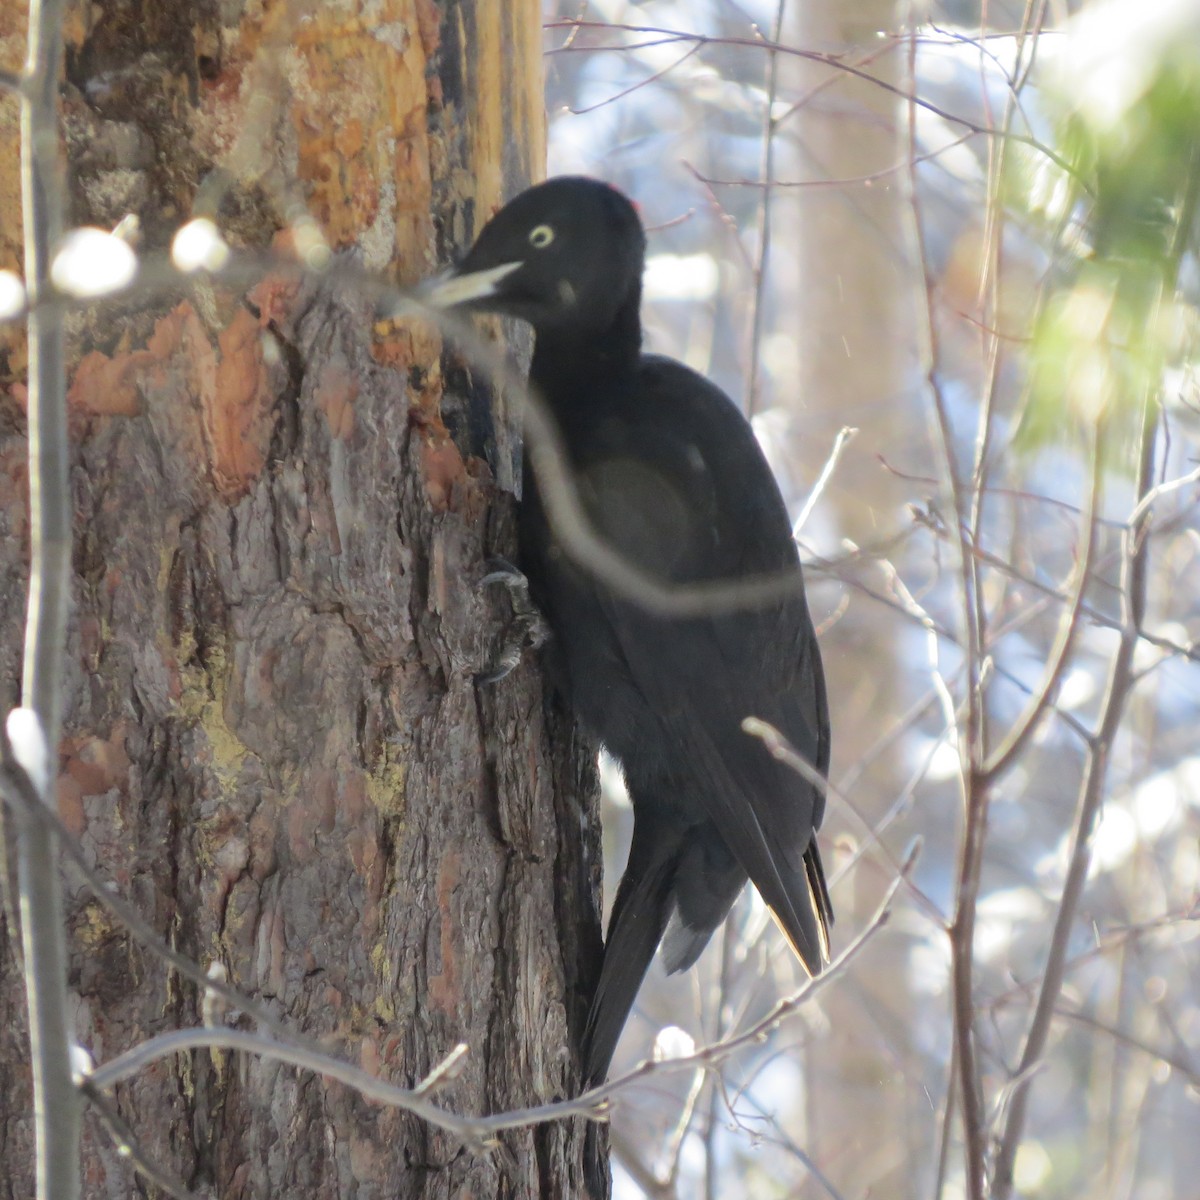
818,890
639,917
799,903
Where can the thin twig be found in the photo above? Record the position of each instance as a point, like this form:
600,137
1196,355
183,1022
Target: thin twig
1116,940
1013,493
128,1146
56,1105
478,1131
962,927
781,1139
1162,489
1091,797
831,60
641,83
783,751
1176,1062
844,436
1026,724
19,790
1121,681
723,215
843,181
767,167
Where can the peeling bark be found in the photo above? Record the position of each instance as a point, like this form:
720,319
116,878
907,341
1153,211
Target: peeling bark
273,743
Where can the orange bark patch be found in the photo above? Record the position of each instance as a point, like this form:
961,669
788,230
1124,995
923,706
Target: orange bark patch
359,111
443,469
273,296
70,806
368,1056
169,332
97,764
335,398
237,410
401,343
90,766
429,26
230,381
107,387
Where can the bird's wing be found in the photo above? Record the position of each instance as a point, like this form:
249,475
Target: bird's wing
690,497
765,812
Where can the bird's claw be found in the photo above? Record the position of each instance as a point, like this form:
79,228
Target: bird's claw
500,570
528,627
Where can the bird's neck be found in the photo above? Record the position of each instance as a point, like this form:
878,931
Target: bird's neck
567,361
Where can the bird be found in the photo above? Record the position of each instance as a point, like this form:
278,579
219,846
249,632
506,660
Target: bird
671,477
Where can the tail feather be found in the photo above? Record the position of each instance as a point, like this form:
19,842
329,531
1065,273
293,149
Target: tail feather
799,903
819,893
639,918
595,1163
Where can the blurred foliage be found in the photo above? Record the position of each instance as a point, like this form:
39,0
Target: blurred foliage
1127,100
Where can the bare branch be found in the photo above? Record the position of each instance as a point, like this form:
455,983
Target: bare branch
845,436
1026,724
43,931
767,167
831,60
571,523
1160,490
1176,1062
476,1132
127,1144
962,928
445,1072
18,789
841,181
641,83
1091,796
780,748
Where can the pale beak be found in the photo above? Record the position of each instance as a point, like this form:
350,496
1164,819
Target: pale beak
452,289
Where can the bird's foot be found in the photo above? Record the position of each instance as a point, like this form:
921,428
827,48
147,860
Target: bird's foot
528,627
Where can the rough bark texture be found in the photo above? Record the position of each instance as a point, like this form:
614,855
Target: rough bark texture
273,741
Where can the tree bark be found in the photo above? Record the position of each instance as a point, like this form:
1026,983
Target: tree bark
273,743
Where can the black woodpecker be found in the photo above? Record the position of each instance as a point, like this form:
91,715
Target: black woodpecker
671,477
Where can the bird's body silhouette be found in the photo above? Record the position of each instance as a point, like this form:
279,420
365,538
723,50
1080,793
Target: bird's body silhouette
671,477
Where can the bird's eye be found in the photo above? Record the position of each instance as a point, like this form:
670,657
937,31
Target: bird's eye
541,237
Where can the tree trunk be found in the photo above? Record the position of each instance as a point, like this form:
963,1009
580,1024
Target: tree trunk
273,743
858,300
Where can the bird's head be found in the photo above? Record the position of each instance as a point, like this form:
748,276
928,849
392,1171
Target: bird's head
565,254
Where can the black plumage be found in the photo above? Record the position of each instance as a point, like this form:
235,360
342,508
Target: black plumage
670,474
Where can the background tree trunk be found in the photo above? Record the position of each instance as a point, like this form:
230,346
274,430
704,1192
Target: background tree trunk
273,743
858,282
